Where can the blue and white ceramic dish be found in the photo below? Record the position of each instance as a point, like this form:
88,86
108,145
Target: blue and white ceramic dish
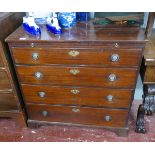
67,19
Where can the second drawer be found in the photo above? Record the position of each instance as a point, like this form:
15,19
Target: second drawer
116,98
79,76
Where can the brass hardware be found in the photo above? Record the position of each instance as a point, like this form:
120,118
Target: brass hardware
42,94
38,75
75,110
114,57
107,118
75,91
32,44
110,98
73,53
116,45
35,56
112,77
74,71
44,113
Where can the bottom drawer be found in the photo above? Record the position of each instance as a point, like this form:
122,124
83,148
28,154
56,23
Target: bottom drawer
78,115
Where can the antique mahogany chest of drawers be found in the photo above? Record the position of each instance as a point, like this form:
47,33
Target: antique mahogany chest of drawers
10,100
86,76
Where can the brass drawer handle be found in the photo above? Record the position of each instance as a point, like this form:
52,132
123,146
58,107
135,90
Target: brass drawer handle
45,113
114,57
108,118
74,53
74,71
112,77
110,98
42,94
116,45
75,91
35,56
38,75
75,110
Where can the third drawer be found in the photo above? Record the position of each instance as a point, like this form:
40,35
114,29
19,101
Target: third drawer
82,96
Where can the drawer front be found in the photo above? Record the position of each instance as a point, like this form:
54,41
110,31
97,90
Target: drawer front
125,57
98,97
7,102
79,76
75,115
4,81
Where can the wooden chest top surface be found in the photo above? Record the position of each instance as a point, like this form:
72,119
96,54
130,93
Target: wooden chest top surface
82,32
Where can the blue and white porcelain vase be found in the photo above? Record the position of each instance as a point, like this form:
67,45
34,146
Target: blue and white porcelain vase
67,19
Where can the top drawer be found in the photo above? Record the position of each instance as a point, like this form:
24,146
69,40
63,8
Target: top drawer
80,56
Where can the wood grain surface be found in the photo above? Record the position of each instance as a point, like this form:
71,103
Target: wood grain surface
78,115
4,81
84,56
86,96
87,76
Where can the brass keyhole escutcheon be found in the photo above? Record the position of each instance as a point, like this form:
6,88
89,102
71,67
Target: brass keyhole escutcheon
116,45
75,91
75,110
74,53
74,71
